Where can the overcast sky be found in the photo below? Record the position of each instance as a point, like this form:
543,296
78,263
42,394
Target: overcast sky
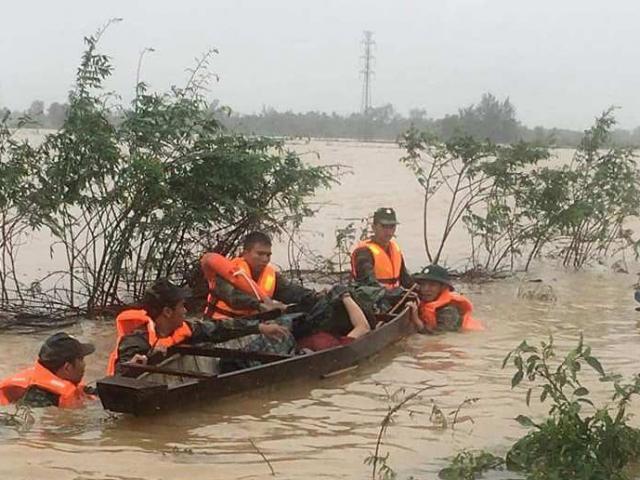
560,61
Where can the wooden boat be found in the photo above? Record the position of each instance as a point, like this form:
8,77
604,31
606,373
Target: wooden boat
189,374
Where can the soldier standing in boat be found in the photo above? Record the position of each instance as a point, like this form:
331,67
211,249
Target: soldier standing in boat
379,260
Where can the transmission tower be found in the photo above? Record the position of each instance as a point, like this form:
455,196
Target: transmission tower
367,70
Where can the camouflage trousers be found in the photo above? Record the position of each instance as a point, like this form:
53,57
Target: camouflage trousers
258,343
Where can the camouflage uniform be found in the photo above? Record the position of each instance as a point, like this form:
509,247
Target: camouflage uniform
259,343
329,314
286,292
449,318
205,332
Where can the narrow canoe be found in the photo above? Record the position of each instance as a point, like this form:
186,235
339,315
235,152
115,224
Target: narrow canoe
189,373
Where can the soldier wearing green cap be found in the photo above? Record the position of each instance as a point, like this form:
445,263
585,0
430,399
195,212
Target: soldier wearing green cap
55,380
440,307
379,260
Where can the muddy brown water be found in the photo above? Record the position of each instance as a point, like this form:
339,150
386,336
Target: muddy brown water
326,429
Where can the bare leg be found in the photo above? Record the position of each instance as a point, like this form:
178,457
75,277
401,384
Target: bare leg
357,317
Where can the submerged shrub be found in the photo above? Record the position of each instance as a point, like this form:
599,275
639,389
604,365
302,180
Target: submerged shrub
469,465
578,440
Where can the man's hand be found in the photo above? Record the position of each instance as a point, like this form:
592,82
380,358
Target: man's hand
415,317
413,297
270,304
139,359
273,330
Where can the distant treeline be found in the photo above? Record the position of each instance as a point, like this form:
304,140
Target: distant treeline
490,118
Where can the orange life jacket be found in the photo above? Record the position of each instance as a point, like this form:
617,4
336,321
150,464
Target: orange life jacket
131,320
428,310
266,283
15,387
386,266
214,264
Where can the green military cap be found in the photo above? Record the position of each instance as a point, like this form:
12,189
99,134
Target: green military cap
434,273
385,216
62,347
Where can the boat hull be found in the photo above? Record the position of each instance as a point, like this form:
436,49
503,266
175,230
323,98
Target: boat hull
144,395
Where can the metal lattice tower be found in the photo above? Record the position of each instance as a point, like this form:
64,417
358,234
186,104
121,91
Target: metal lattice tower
367,70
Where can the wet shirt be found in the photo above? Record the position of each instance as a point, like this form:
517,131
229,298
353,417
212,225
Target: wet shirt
36,397
449,318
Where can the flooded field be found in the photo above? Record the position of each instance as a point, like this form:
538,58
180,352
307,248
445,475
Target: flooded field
326,429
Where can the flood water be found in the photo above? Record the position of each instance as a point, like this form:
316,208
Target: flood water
326,429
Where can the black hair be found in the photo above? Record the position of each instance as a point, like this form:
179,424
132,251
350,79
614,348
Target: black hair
255,238
54,365
162,294
152,307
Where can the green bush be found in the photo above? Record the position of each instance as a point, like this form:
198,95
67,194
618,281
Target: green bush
578,440
141,198
514,206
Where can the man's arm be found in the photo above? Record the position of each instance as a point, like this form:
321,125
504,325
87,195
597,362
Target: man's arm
406,280
234,297
222,330
288,292
131,345
364,265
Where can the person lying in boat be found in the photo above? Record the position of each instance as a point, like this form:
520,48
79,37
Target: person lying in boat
440,308
143,335
271,290
55,379
341,316
379,260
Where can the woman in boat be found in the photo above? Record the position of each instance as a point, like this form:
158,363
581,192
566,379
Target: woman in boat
144,335
440,308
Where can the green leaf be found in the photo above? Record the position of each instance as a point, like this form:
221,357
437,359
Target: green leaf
517,361
581,392
585,400
517,378
595,364
525,421
524,347
506,359
543,395
528,399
